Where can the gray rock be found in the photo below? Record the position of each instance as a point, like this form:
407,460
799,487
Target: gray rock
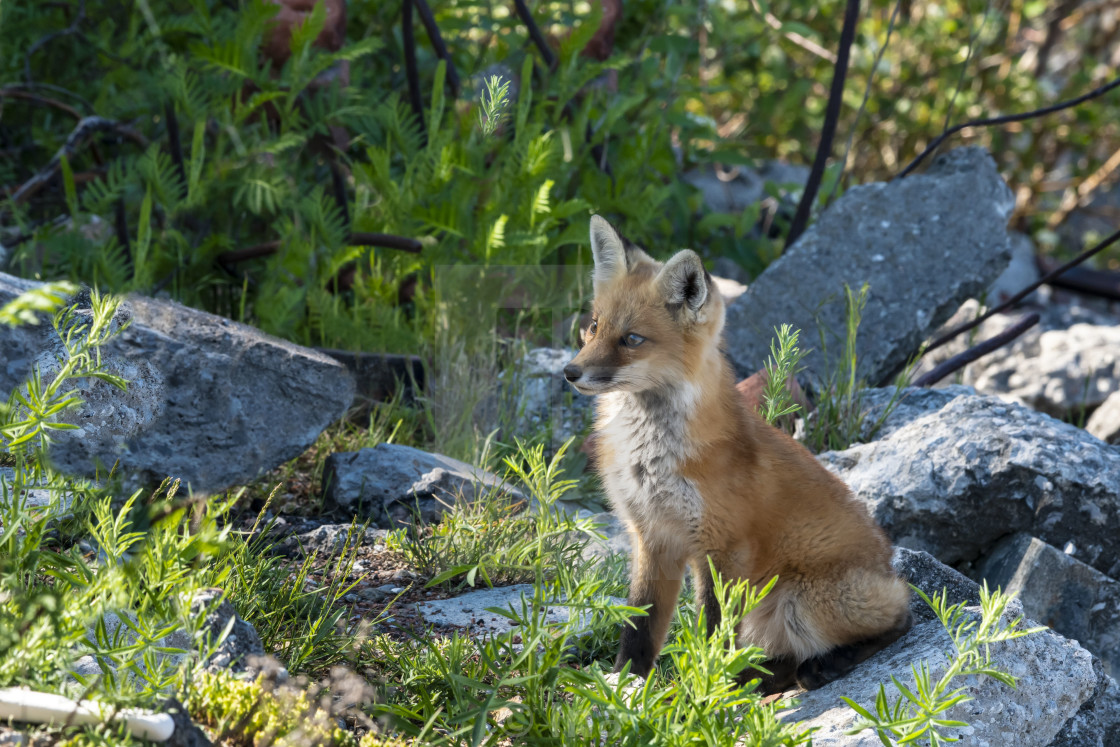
187,733
1060,591
1097,723
330,539
1021,272
545,399
387,482
924,244
1055,677
954,480
236,653
740,187
241,648
1104,423
616,540
9,737
204,397
1066,366
469,611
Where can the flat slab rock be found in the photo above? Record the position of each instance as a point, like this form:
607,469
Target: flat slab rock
203,398
1059,591
924,244
470,611
388,482
953,472
1056,677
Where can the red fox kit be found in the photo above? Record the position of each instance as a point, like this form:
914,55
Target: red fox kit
695,475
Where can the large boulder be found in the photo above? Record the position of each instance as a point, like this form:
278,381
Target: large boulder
1104,423
1060,591
1055,677
953,472
923,244
544,399
389,482
210,401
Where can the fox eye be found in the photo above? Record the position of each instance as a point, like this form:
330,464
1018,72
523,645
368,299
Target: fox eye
591,330
632,340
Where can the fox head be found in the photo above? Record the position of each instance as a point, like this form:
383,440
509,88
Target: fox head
652,323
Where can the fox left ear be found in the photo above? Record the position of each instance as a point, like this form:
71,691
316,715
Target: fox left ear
608,251
684,281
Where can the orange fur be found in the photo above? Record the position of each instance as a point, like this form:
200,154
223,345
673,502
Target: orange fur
695,474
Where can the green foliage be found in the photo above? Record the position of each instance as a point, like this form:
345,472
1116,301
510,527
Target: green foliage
919,710
781,368
302,622
840,417
499,540
46,299
251,713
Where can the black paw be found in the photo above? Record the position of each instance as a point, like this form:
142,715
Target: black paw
782,677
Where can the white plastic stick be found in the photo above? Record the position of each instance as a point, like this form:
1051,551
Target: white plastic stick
57,710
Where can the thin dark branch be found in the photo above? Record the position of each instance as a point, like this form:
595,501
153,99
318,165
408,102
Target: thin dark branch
53,103
863,103
436,38
85,128
71,29
338,187
358,238
386,241
1026,291
1096,92
979,350
408,39
535,34
175,142
1091,282
250,252
831,117
49,87
120,225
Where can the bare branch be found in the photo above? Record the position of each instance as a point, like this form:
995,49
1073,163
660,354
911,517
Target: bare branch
86,127
436,39
1095,93
1026,291
535,34
979,350
831,117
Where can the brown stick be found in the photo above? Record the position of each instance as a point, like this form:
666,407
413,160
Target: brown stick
1100,91
1026,291
535,34
979,350
11,93
383,240
1084,280
86,127
828,131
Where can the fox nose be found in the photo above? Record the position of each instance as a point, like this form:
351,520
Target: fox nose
572,373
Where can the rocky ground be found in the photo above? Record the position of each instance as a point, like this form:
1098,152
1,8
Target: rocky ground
1006,471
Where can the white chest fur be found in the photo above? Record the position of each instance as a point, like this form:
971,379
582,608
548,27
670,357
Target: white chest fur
647,442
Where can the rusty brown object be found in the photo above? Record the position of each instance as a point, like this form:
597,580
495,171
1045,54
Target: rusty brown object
277,42
601,44
753,386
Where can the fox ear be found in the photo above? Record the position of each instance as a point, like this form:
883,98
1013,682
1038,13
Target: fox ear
684,281
608,250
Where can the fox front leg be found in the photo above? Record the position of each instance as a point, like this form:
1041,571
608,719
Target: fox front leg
706,592
655,583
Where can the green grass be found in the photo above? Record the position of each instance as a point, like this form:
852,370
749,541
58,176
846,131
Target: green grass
539,682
